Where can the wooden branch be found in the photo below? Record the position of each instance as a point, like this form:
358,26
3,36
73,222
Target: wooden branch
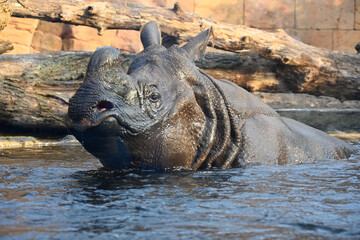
36,88
308,69
325,113
5,46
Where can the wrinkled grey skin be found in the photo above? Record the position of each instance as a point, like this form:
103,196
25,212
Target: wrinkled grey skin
166,113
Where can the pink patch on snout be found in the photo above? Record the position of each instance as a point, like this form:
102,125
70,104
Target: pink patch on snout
85,123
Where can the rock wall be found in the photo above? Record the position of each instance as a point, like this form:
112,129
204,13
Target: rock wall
331,24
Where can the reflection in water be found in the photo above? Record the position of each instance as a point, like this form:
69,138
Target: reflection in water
63,192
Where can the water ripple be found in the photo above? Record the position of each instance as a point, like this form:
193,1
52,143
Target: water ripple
62,192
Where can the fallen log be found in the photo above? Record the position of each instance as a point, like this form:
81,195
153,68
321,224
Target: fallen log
325,113
248,70
36,88
305,68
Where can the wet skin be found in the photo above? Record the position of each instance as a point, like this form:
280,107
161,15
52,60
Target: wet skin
165,113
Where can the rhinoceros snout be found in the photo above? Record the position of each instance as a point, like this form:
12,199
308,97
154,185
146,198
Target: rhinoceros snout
84,116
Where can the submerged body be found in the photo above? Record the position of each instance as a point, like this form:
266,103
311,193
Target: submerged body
268,138
166,113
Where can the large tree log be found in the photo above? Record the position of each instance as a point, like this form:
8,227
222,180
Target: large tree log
306,69
35,88
325,113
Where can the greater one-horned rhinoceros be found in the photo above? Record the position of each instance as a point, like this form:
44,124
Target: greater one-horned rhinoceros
166,113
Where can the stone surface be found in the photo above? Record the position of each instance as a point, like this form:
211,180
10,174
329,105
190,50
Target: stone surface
345,40
72,44
49,27
19,32
230,11
47,37
326,14
127,41
86,38
313,24
19,49
269,14
318,38
83,33
16,36
24,23
43,41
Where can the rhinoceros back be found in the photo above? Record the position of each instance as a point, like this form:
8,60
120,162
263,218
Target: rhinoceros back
267,138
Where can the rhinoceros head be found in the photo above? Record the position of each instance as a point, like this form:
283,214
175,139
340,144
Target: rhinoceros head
149,117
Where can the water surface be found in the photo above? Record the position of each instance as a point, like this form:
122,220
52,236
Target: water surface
63,193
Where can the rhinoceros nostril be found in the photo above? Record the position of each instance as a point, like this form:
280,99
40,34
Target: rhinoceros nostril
104,105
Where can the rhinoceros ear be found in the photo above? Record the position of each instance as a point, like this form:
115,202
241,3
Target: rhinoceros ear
150,34
195,48
104,56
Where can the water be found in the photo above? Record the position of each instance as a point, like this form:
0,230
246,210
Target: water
63,193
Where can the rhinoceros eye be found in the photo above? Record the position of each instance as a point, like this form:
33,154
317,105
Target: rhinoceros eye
154,97
153,100
152,93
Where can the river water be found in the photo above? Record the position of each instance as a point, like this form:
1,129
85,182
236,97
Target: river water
63,193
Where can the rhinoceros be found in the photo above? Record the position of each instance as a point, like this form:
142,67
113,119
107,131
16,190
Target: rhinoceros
165,113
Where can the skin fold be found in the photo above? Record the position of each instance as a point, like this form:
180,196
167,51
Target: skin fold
165,113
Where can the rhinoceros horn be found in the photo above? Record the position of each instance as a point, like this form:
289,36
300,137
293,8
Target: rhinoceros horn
104,74
103,57
108,59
